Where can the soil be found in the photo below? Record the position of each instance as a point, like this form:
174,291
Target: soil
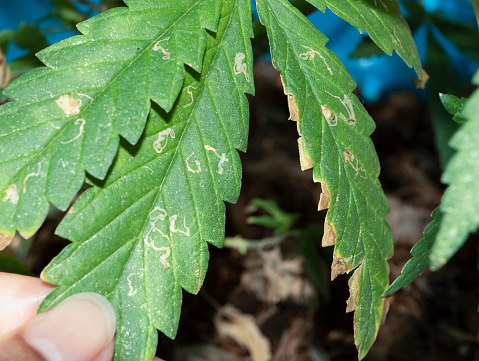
434,319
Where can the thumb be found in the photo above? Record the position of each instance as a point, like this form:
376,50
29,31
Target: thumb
80,328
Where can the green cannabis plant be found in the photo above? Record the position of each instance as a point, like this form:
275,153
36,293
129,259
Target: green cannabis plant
148,106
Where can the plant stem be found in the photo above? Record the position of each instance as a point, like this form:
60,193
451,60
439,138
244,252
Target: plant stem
243,245
475,5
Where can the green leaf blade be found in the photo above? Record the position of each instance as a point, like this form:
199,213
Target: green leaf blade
460,203
334,140
420,256
67,117
145,230
454,106
384,23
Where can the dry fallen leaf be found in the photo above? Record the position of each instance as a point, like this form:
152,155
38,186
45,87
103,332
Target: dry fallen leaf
231,322
296,340
274,279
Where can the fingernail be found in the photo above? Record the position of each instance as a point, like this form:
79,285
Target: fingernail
77,329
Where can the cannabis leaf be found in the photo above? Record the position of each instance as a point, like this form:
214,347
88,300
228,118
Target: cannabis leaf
334,139
454,106
384,23
141,235
460,203
420,256
66,117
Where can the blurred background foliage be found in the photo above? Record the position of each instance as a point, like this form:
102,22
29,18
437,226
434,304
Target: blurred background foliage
274,238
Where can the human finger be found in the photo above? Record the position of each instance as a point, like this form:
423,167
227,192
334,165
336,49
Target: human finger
80,328
19,299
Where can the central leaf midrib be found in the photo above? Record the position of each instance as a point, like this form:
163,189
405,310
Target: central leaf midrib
47,145
306,74
353,187
190,117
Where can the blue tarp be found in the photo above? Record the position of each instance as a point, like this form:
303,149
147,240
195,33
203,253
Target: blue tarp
376,76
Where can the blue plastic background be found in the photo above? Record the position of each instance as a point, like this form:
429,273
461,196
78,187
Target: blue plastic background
376,76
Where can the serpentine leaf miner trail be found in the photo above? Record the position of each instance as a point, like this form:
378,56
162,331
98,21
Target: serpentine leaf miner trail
69,115
334,130
150,242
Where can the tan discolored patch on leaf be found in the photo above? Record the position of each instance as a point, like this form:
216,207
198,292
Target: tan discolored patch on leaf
325,197
327,132
329,236
11,194
339,266
293,107
329,116
352,302
199,281
69,105
5,240
347,155
305,162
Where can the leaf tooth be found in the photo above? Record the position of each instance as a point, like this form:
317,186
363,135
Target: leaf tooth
91,81
352,302
329,235
325,197
305,161
293,106
5,240
340,266
145,291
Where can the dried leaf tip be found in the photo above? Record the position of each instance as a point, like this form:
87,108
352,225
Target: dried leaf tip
293,107
329,236
304,161
352,302
325,198
5,240
339,266
421,83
